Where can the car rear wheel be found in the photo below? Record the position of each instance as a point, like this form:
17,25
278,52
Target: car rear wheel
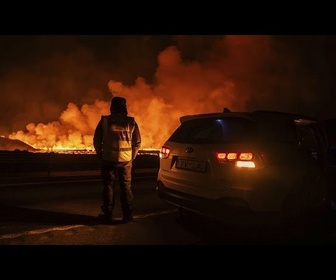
297,205
293,210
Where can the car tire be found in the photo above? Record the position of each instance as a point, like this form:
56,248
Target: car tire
322,205
323,209
293,211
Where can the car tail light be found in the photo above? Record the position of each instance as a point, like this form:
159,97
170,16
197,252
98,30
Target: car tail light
245,156
231,156
164,152
248,164
241,159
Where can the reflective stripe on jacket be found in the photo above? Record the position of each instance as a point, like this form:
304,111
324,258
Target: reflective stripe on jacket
117,138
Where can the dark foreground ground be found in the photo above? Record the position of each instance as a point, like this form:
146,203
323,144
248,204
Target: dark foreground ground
64,213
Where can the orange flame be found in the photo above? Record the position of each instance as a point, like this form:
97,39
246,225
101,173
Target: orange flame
180,88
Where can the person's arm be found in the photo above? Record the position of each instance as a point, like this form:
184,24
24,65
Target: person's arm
98,139
136,141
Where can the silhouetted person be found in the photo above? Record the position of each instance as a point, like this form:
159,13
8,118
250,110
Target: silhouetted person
117,141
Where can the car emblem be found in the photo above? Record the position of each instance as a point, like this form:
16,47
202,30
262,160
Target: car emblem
189,150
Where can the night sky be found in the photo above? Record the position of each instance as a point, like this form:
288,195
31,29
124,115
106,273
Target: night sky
61,84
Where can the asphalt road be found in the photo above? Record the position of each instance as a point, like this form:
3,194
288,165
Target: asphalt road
64,213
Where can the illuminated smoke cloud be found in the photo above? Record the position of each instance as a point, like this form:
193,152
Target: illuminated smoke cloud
180,88
237,72
157,107
73,130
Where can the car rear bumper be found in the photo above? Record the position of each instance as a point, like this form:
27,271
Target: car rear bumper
220,209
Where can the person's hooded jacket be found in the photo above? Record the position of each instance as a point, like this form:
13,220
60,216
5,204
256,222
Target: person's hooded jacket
117,136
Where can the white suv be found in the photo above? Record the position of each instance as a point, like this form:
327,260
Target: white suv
262,162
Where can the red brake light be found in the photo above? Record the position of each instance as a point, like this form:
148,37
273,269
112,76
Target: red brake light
245,156
164,152
221,156
231,156
241,159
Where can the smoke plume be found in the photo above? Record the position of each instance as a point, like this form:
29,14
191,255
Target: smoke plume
242,72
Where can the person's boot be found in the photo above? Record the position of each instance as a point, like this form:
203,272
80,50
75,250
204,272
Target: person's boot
127,218
106,217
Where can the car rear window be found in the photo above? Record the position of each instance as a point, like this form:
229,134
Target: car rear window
215,130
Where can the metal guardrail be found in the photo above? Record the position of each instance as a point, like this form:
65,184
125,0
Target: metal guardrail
17,165
62,176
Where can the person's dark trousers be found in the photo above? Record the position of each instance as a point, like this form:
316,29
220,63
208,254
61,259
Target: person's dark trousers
112,172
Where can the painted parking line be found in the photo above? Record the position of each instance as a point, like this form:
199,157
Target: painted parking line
39,231
64,228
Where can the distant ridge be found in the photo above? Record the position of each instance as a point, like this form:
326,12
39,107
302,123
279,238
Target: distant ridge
7,144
